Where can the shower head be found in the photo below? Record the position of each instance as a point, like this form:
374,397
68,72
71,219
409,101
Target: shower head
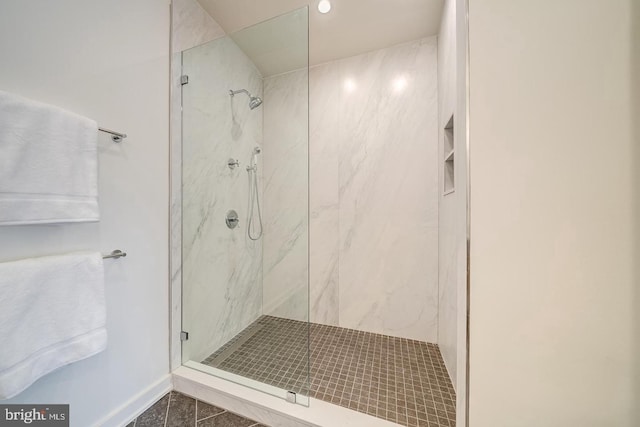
257,150
254,101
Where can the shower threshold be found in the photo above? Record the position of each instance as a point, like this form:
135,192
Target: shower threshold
246,382
267,409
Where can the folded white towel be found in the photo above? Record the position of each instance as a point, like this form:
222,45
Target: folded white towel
52,313
48,164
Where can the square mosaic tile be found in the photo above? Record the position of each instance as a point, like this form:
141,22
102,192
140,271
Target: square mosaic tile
397,379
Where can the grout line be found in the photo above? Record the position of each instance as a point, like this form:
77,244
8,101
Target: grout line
166,414
214,415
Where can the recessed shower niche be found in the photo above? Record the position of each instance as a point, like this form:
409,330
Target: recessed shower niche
448,169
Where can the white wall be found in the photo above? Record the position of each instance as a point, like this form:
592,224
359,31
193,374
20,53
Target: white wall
448,205
635,106
107,60
555,197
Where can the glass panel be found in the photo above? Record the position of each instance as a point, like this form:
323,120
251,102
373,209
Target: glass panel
245,269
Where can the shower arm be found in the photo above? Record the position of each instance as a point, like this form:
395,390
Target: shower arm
235,92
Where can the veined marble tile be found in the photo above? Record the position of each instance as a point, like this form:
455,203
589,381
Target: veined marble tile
373,216
286,190
221,270
373,192
451,234
175,220
192,25
325,90
389,191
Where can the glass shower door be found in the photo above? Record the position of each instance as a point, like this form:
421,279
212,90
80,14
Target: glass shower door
245,267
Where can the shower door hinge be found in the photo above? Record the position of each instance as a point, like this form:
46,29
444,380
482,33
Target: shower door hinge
291,396
184,79
184,336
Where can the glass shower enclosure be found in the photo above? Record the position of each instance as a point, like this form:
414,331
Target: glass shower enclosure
245,215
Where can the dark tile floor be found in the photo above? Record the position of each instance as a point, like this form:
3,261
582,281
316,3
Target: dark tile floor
271,350
397,379
177,410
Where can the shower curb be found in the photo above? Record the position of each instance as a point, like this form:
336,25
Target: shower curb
267,409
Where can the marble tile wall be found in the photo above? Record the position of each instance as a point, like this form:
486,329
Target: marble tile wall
449,204
371,141
389,191
222,268
286,189
324,197
373,190
191,26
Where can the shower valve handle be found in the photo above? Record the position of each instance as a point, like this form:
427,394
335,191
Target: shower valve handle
232,219
232,163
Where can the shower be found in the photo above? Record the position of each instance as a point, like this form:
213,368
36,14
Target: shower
254,200
254,101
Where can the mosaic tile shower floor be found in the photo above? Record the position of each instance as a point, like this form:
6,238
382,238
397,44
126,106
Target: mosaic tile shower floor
397,379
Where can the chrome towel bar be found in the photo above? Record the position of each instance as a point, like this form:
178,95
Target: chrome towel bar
115,136
115,254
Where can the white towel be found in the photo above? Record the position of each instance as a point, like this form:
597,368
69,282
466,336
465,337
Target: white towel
52,313
48,164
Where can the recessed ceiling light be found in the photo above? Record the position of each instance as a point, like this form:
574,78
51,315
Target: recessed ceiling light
324,6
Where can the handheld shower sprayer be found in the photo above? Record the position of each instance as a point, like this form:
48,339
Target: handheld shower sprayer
253,164
254,200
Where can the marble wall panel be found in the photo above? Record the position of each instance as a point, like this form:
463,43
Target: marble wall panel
190,27
373,190
222,268
389,192
449,204
324,84
286,191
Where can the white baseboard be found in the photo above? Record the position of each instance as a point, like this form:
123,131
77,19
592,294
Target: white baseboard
267,409
137,405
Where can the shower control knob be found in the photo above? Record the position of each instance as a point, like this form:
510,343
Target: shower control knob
233,163
232,219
